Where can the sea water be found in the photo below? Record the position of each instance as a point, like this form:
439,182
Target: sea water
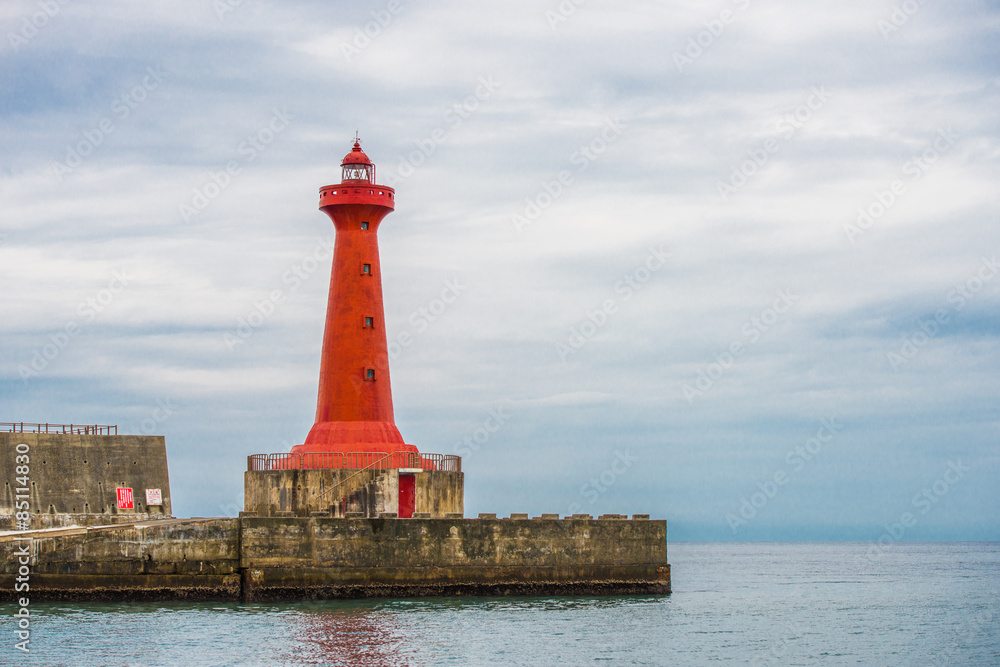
763,603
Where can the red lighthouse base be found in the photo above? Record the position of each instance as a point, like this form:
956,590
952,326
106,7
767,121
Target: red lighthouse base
354,436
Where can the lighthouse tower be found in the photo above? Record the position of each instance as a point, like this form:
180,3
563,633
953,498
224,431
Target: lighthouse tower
354,406
354,463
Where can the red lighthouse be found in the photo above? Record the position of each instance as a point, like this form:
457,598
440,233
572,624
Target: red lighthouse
354,407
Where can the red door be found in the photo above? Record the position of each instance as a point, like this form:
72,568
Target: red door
407,496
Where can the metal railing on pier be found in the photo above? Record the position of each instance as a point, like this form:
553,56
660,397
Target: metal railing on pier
80,429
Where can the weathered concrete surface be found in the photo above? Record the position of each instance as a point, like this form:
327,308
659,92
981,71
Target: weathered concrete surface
305,491
317,557
333,583
292,542
46,521
71,475
160,559
326,558
339,491
440,492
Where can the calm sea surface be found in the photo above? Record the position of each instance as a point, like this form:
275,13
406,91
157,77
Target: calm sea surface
771,603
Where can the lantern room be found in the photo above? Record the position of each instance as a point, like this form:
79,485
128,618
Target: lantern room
357,168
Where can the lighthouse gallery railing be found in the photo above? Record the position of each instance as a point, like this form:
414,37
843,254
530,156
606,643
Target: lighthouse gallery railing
354,460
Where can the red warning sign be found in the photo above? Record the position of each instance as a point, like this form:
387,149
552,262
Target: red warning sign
125,499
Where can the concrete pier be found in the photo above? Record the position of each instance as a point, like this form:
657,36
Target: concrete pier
289,558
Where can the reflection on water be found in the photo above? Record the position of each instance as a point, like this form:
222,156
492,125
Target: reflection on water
349,634
386,632
382,632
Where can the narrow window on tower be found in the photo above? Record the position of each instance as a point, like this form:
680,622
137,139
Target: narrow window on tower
369,322
370,374
364,225
366,269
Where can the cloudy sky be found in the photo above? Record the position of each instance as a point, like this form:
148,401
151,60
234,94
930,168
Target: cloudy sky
732,264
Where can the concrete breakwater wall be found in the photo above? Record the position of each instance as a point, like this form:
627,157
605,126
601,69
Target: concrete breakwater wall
287,558
73,478
161,559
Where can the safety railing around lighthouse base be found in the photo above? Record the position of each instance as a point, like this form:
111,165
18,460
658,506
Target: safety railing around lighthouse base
354,461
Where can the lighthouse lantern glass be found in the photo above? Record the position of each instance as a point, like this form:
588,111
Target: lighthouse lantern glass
358,172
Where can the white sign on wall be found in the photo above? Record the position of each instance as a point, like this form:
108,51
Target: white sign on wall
153,497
